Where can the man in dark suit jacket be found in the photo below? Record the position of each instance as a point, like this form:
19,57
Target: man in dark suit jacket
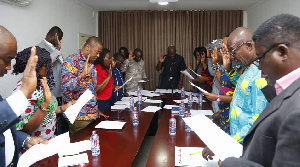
274,139
11,140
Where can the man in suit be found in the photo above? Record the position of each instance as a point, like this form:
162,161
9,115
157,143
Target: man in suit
274,139
11,140
53,45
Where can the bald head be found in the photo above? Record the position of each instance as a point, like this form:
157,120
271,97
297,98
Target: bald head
241,46
240,34
172,50
8,50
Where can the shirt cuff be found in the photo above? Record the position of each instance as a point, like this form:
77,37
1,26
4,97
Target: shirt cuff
18,102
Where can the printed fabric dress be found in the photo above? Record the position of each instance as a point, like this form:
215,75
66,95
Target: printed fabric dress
227,88
47,128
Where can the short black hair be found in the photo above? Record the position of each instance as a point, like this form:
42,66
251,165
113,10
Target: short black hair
100,59
118,55
283,28
93,41
136,50
54,30
125,51
200,49
43,58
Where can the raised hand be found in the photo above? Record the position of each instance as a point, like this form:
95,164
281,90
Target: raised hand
110,71
162,58
29,79
208,53
226,57
86,70
57,42
131,57
113,63
46,92
190,65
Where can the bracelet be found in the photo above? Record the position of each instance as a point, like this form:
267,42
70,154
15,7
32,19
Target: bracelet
43,109
25,142
218,98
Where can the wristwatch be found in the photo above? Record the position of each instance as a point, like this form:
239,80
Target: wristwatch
42,108
25,143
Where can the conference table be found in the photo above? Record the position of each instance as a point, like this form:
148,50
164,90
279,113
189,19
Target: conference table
120,147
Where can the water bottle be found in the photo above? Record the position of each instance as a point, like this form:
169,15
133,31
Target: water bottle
135,117
95,146
186,127
181,109
139,95
172,126
190,100
131,103
200,99
182,93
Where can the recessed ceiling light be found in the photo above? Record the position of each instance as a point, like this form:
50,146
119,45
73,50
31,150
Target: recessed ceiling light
163,3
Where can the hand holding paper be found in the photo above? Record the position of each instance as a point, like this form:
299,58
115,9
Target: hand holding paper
202,90
187,74
198,75
125,83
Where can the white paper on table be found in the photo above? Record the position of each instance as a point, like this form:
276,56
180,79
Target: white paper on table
125,83
132,93
169,107
74,148
150,94
179,101
184,72
204,112
151,109
175,90
183,157
198,75
202,90
110,125
153,101
73,160
73,110
222,144
119,106
142,81
41,151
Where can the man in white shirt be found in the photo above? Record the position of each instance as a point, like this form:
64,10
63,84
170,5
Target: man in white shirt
11,140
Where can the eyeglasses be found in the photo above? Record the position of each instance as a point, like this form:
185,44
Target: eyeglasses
233,50
268,50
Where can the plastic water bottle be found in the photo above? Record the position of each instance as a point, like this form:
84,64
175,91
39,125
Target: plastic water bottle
182,93
131,103
181,109
200,98
190,100
95,146
186,127
135,117
172,126
139,95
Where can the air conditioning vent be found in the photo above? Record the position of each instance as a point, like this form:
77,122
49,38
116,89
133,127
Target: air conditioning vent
18,2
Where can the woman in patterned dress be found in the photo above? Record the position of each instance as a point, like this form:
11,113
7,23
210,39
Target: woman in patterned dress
39,118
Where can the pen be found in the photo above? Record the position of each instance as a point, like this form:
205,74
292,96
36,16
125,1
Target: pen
196,152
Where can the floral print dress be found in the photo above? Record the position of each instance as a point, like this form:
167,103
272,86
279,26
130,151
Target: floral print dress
47,128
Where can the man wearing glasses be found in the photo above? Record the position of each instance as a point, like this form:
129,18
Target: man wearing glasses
248,101
274,138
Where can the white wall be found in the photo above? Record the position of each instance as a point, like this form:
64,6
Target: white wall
262,11
30,25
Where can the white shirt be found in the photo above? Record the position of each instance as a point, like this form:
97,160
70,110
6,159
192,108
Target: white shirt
18,102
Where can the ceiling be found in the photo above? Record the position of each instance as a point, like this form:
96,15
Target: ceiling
117,5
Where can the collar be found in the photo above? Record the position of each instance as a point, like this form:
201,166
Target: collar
50,44
286,80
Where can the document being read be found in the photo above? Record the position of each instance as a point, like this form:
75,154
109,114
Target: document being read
125,83
184,72
222,144
73,110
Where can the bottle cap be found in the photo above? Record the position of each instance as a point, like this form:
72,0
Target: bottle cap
172,116
94,132
135,108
